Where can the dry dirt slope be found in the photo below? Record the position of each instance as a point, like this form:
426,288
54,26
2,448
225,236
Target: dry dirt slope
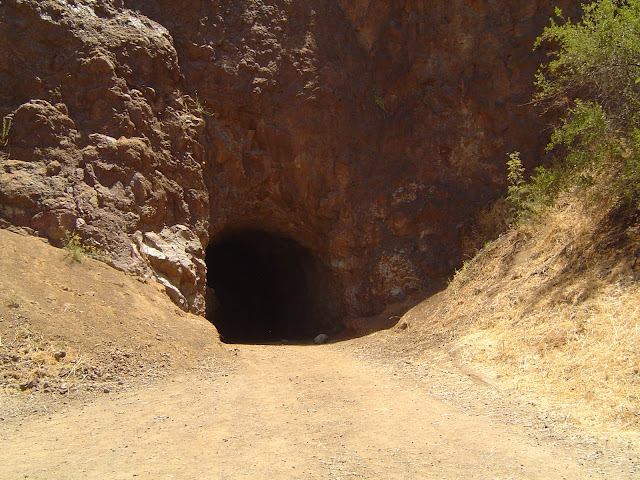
104,378
551,309
69,327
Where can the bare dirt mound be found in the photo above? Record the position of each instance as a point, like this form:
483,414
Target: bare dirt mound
68,327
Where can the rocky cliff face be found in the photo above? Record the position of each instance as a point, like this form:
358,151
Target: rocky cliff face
367,132
102,141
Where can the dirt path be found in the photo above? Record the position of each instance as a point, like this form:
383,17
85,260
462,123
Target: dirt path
278,412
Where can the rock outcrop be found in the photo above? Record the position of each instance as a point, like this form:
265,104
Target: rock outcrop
176,257
103,141
369,132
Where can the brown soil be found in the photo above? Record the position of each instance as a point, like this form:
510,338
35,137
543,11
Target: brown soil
146,391
69,327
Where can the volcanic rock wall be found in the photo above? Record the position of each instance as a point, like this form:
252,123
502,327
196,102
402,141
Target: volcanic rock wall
102,141
369,132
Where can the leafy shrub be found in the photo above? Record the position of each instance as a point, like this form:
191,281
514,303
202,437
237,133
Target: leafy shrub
596,59
593,81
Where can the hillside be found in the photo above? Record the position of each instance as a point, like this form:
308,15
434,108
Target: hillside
69,328
551,310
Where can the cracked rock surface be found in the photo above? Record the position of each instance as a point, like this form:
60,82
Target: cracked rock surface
370,133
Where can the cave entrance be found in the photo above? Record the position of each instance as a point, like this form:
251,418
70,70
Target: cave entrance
266,288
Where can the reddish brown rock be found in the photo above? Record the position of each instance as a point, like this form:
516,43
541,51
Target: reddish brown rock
369,132
103,141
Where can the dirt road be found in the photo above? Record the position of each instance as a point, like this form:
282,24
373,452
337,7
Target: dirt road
280,412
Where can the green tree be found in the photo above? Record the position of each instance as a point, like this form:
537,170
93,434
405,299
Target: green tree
592,83
597,60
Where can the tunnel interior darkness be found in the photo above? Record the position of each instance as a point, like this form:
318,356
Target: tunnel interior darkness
266,288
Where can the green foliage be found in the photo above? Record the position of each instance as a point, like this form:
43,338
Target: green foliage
597,59
460,275
4,133
592,81
200,107
516,172
528,198
78,251
518,191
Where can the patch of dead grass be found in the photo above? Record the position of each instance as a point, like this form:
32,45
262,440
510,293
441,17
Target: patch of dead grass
29,361
552,309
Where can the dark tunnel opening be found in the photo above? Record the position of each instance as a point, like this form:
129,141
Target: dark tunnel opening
266,288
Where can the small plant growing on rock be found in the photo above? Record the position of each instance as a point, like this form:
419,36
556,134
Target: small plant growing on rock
4,134
379,99
200,107
78,251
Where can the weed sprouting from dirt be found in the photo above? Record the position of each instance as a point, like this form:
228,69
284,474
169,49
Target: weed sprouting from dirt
79,251
14,301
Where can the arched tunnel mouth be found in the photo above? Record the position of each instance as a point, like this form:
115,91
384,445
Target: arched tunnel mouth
265,288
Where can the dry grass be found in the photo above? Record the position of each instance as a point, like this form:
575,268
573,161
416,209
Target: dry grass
491,220
552,309
30,362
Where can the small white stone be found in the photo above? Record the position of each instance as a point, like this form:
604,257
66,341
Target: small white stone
320,339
